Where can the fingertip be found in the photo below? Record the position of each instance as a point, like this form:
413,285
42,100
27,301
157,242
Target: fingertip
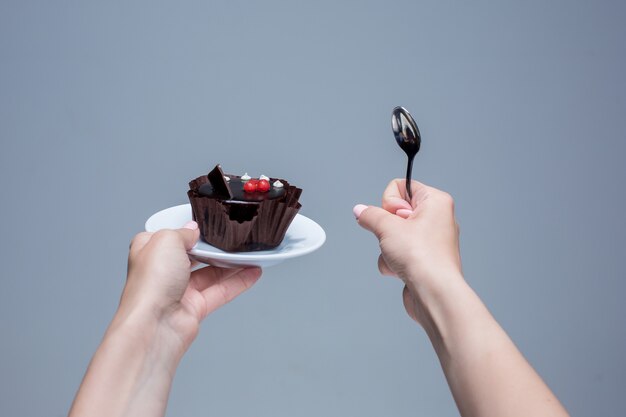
190,234
192,225
404,213
374,219
358,209
401,203
251,275
253,272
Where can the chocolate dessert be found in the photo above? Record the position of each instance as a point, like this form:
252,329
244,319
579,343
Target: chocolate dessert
240,213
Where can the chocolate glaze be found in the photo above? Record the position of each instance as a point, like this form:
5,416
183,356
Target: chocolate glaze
239,195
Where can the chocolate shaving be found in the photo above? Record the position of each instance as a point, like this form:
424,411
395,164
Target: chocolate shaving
219,184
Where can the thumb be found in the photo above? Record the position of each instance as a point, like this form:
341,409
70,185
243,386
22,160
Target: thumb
373,218
189,234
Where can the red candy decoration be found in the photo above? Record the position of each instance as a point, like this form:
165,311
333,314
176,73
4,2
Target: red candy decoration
263,186
254,185
250,186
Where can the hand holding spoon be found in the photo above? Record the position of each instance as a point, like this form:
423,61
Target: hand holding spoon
409,139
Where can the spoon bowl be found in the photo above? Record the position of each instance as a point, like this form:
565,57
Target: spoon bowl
409,139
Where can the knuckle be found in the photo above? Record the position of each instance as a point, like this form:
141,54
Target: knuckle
381,265
384,268
446,199
165,234
138,239
226,296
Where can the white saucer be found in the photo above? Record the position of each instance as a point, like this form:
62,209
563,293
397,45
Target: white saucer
303,236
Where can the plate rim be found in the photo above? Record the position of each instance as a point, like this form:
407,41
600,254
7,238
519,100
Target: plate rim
248,256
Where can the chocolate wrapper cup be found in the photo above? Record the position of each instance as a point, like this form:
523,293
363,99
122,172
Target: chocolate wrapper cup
235,226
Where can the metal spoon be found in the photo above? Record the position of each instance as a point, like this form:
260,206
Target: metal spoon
408,137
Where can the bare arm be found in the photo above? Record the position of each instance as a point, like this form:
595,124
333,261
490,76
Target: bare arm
157,320
487,374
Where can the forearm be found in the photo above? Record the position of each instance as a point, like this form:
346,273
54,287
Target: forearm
487,374
131,372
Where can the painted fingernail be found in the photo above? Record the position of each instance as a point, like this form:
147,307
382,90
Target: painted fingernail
358,209
404,213
191,225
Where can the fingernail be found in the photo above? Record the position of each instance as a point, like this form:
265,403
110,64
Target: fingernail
404,213
191,225
358,209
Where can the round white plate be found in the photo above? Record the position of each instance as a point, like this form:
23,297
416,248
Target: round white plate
303,236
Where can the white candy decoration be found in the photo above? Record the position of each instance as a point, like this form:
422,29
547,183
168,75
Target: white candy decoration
226,178
246,177
278,184
263,177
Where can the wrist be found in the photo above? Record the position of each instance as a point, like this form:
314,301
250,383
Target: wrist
448,305
146,329
133,366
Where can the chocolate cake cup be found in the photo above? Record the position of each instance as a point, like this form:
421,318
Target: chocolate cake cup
235,226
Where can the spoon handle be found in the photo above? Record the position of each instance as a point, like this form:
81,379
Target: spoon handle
409,168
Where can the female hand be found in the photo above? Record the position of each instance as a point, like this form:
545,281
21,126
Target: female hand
419,241
160,282
158,317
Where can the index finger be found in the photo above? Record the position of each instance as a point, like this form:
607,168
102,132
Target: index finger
220,286
394,196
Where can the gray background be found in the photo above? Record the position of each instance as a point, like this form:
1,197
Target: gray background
107,109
